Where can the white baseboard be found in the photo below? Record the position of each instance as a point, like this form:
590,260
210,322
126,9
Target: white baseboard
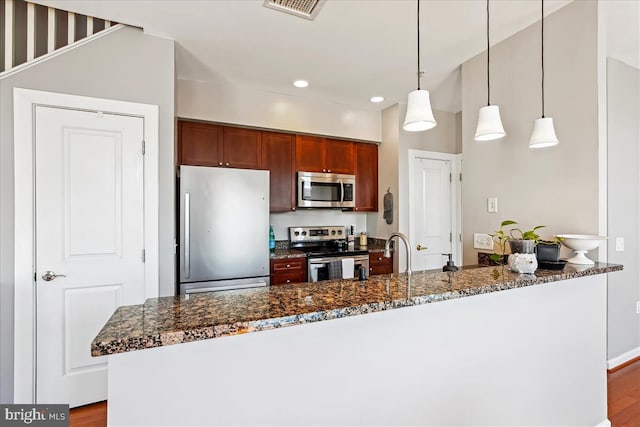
605,423
623,358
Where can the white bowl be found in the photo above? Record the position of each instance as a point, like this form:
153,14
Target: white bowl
580,244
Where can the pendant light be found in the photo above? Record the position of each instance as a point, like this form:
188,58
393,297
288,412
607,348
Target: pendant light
543,134
419,115
489,123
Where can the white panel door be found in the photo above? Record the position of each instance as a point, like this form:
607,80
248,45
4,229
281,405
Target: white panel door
430,213
89,232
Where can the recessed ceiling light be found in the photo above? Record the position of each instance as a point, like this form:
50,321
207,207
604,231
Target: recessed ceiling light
301,83
376,99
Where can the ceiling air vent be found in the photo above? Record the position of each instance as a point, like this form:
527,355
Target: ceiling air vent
307,9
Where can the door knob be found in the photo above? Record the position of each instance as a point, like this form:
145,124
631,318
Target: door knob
421,248
48,276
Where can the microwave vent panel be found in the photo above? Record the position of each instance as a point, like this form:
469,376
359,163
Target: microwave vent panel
307,9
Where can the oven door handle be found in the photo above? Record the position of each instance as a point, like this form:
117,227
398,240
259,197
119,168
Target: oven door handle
341,192
325,260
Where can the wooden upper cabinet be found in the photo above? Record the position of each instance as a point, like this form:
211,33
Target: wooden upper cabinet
278,156
318,154
339,156
366,171
242,148
310,153
200,144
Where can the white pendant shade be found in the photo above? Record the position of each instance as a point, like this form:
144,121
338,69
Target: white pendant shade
489,124
543,134
419,115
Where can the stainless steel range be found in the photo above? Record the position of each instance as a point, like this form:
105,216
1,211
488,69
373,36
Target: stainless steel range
329,256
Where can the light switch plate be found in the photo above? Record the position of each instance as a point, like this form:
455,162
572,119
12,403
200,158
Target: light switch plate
492,204
619,244
482,241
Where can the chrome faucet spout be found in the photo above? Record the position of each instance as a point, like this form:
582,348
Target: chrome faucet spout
405,239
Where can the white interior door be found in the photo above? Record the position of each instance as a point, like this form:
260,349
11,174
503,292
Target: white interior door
430,212
89,222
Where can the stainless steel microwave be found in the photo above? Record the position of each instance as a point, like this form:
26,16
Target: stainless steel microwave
326,190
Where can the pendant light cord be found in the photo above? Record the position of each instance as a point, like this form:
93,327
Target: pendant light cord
488,59
542,53
418,28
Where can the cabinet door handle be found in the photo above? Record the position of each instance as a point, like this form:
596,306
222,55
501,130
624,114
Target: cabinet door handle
324,170
293,209
379,258
226,164
329,170
288,280
220,164
288,265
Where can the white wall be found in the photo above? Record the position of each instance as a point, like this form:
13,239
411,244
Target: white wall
387,173
227,103
124,65
623,111
557,186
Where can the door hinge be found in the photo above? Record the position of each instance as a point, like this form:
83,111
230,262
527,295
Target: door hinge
35,276
143,147
450,178
450,237
460,237
143,256
461,177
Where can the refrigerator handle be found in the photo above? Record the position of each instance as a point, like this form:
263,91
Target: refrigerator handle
341,192
187,232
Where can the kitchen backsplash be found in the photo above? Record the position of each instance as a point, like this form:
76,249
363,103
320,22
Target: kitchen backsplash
282,221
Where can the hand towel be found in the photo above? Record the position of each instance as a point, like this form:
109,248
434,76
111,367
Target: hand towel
388,207
335,269
348,268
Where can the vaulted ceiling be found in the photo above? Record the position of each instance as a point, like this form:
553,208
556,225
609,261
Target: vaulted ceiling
352,50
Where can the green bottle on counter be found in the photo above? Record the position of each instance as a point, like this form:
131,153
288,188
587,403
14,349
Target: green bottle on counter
272,239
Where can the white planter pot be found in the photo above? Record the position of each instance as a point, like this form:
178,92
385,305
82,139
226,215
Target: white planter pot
523,263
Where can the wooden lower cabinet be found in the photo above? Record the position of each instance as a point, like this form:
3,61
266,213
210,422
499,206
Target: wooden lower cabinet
379,264
288,270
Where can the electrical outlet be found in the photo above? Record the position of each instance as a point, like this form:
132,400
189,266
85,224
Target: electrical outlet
619,244
492,204
638,307
482,241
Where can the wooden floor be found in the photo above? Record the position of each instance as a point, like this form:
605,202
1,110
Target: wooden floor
624,396
623,400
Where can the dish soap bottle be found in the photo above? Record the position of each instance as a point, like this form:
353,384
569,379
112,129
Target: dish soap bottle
272,239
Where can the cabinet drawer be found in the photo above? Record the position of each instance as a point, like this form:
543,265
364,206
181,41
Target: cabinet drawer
284,278
378,264
288,265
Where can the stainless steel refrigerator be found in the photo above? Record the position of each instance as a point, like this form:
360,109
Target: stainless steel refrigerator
224,229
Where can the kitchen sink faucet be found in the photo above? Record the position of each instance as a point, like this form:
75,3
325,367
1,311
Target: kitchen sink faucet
405,239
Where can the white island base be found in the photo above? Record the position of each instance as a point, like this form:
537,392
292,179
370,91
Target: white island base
531,356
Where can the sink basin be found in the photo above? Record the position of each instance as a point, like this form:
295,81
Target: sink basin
580,244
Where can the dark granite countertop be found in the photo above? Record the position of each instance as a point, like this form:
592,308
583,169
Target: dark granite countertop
173,320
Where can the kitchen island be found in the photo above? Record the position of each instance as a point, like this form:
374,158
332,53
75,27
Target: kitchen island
480,346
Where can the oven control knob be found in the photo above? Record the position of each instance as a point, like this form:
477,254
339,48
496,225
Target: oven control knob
333,232
304,233
339,231
297,233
